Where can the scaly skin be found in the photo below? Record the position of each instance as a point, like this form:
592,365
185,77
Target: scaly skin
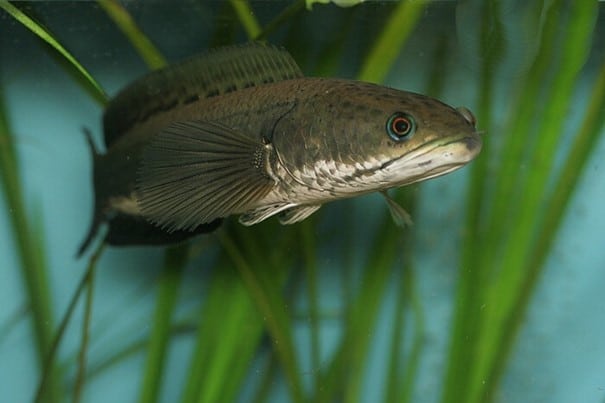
319,139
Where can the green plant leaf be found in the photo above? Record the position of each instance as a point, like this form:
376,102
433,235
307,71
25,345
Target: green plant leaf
30,252
387,46
169,283
246,17
44,34
152,57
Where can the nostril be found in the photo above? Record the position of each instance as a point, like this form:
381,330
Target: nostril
467,115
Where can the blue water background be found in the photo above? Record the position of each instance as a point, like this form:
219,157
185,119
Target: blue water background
560,356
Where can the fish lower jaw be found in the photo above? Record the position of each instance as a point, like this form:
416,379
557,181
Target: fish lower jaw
431,161
421,172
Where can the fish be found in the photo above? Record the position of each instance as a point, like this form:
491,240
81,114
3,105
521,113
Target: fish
240,131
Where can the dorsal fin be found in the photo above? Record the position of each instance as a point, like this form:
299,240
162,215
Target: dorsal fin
217,72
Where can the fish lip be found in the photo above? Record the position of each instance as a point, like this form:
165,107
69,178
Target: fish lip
472,141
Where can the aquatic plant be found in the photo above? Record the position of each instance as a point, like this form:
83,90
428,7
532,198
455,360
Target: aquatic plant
247,320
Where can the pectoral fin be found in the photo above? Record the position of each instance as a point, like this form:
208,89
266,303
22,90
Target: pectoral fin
287,213
400,216
195,172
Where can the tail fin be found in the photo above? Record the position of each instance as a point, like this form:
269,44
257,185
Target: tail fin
97,217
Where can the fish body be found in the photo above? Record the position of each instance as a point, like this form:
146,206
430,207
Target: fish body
242,132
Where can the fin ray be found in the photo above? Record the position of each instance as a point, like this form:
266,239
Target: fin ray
297,214
401,217
222,174
262,213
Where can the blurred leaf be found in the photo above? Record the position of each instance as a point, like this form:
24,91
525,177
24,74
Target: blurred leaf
153,58
229,333
342,379
472,275
387,47
501,322
30,252
161,332
496,283
13,319
290,12
82,356
246,17
48,37
264,282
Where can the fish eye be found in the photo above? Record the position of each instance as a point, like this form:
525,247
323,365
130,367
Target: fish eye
400,126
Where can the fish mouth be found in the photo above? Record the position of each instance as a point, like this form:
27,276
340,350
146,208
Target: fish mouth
434,158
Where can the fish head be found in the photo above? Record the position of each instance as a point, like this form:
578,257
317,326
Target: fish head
360,137
420,138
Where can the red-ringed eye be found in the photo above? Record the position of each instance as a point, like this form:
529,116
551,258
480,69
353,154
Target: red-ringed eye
400,126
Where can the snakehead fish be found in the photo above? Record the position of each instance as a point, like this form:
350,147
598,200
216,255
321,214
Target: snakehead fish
241,131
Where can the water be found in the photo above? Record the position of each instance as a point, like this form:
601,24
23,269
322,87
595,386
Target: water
268,338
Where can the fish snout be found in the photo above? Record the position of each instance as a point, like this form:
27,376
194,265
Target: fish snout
473,143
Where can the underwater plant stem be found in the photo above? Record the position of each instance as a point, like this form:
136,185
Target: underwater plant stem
221,355
17,316
246,17
406,389
584,143
81,373
50,358
472,274
231,326
363,316
289,12
483,243
522,237
137,347
387,46
175,259
514,147
347,365
146,49
30,254
269,304
269,373
402,373
549,131
573,168
44,34
310,259
397,340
